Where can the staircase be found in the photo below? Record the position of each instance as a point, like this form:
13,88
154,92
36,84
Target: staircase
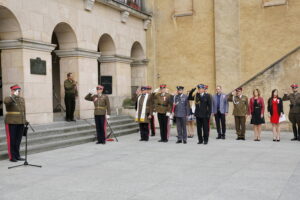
64,134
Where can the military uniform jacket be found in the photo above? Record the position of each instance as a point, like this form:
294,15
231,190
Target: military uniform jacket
70,87
240,105
203,104
163,103
181,106
149,107
15,107
294,102
101,103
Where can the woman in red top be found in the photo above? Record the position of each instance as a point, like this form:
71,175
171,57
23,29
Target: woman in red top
275,108
257,109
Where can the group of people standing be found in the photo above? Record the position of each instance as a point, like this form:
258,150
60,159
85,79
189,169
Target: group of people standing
200,105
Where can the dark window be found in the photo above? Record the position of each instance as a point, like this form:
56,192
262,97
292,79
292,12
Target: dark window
106,81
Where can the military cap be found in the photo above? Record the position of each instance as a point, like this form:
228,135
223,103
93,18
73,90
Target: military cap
201,86
180,87
15,87
294,85
163,86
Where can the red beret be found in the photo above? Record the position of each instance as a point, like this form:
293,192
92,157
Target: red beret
15,87
294,86
239,89
163,86
100,87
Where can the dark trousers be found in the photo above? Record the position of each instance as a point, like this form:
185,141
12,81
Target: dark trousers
70,106
152,125
164,126
181,128
220,122
202,128
14,133
295,120
240,126
100,122
144,130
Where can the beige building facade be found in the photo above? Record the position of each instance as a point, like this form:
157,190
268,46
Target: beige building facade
99,41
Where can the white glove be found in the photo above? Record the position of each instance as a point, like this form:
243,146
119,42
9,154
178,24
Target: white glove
107,116
92,91
154,113
168,114
156,90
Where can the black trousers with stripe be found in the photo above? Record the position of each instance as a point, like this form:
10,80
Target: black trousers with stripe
14,133
163,125
100,121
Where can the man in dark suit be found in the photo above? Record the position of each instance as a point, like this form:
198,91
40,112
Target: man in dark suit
203,105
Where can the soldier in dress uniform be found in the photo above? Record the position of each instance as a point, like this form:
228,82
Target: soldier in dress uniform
71,92
163,107
144,112
181,111
294,114
202,112
152,122
14,122
240,111
101,112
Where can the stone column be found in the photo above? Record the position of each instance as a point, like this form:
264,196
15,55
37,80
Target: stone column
227,44
139,72
36,88
83,64
119,68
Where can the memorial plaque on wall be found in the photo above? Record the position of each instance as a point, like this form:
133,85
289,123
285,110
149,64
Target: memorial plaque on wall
38,66
106,81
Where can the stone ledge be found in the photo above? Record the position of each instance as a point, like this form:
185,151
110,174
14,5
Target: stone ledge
115,58
77,52
23,43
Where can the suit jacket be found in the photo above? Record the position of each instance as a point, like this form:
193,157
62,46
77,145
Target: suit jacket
240,105
203,104
223,104
181,105
162,103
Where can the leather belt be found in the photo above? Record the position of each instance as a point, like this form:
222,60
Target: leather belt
100,107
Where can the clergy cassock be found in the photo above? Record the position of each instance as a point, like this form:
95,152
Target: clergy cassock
144,110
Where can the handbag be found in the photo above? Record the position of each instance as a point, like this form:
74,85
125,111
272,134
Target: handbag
282,118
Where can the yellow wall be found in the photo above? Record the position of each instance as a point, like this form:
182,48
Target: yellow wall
267,34
181,50
188,50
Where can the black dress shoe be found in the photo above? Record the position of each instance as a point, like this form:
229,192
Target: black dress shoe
223,137
219,137
179,141
205,142
165,141
274,140
98,142
278,140
243,139
184,142
68,120
238,138
21,159
13,160
200,142
73,120
294,139
141,140
160,140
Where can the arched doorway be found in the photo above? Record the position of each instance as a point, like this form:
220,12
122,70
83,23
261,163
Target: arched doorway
9,30
64,38
138,67
107,48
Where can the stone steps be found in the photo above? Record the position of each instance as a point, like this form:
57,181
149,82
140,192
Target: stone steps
65,134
